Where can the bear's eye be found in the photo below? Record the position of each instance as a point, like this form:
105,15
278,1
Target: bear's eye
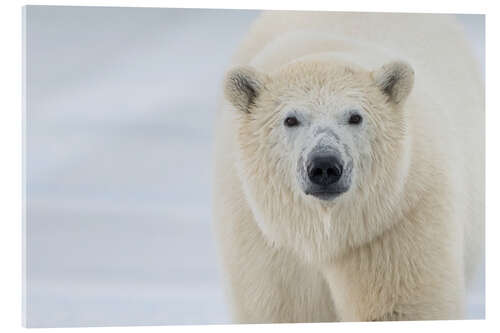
291,121
355,119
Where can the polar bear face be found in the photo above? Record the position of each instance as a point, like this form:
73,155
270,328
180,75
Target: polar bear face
318,136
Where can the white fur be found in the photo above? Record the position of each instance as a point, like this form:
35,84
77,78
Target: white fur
401,243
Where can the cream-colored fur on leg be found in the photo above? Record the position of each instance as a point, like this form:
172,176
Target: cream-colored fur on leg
409,262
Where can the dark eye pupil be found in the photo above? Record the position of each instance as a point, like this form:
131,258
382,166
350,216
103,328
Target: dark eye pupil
355,119
291,121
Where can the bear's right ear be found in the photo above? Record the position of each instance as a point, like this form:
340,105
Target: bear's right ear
395,79
242,86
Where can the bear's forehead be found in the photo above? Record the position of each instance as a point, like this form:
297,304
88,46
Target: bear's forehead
318,76
320,84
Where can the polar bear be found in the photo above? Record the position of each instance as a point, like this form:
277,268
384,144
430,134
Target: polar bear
349,169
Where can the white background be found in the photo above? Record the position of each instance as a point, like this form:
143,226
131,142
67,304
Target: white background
11,176
121,103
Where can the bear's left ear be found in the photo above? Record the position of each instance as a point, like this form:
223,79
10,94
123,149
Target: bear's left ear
395,79
242,87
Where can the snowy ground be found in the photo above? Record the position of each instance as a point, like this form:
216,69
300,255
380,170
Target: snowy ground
121,104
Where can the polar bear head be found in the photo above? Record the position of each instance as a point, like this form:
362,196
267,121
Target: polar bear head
320,147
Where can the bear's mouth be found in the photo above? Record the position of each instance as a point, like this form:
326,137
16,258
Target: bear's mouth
326,195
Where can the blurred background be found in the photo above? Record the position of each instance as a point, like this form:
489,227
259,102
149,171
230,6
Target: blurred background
120,110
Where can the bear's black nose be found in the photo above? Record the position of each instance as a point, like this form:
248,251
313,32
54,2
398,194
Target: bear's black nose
324,170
